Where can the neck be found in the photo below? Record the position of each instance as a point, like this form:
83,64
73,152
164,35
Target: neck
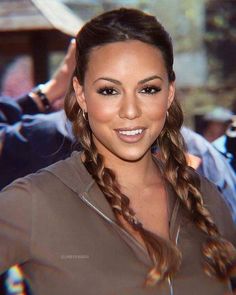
134,175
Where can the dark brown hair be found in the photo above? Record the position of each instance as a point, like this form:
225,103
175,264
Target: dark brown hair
131,24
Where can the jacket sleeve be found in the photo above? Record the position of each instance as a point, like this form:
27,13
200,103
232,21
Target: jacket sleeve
15,224
31,143
219,210
11,110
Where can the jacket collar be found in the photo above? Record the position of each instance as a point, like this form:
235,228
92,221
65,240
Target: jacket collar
80,181
76,177
84,185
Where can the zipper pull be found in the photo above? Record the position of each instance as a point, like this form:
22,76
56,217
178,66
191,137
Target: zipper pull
170,286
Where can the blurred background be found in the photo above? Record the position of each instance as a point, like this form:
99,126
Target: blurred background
34,35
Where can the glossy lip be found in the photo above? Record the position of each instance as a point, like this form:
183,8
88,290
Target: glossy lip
130,138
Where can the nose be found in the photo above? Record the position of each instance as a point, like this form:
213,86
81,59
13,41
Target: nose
130,107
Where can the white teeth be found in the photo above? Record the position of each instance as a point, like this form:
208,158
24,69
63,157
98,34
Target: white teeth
131,132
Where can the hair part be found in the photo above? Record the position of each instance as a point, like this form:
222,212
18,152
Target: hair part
131,24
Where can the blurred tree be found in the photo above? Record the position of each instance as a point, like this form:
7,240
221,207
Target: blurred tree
220,40
183,19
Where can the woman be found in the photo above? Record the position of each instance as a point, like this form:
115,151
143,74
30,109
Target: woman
114,219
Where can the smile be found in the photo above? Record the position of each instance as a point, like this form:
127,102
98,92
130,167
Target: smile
131,132
130,135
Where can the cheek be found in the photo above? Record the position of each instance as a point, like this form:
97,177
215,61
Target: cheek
157,114
157,111
101,111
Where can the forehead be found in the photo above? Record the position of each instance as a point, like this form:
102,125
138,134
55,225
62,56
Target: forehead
126,57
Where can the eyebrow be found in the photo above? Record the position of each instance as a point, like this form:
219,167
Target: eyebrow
119,83
108,79
150,79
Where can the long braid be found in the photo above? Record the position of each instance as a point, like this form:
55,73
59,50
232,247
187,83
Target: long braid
219,254
131,24
158,249
166,258
165,255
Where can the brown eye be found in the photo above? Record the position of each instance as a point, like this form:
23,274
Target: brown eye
150,90
107,91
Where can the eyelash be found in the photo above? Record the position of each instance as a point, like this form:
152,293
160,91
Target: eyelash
149,90
108,91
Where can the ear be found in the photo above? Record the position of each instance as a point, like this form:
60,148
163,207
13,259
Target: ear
79,93
171,95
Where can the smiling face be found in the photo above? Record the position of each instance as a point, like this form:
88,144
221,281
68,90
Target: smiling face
126,94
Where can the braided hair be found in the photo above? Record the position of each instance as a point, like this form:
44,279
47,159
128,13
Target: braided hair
131,24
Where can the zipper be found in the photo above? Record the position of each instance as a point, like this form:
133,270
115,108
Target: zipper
169,279
116,226
170,286
177,236
85,200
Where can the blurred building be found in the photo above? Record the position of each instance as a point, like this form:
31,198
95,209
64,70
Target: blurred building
35,28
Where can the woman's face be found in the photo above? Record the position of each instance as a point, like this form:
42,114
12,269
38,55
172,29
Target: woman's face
126,94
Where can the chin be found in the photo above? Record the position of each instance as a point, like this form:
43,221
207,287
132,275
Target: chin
132,156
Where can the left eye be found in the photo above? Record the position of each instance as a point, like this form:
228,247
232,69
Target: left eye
107,91
150,90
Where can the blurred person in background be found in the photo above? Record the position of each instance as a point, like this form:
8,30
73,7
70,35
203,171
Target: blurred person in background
216,123
32,132
231,142
33,135
212,165
226,144
18,77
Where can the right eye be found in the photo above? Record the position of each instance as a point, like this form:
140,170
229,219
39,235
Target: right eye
107,91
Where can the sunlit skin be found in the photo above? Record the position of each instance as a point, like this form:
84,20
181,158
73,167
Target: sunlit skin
126,87
134,92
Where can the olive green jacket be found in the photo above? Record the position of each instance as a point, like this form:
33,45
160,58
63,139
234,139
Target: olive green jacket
59,227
